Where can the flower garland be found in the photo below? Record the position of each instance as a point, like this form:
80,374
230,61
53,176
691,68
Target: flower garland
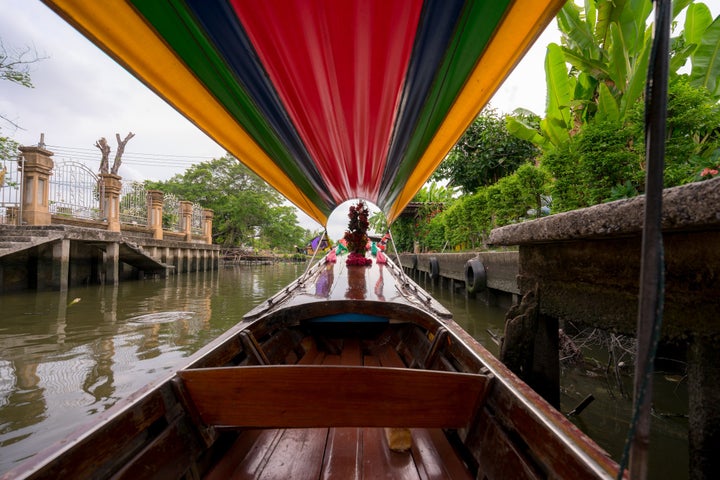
356,235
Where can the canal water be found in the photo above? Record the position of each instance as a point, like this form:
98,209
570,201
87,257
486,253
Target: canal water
67,356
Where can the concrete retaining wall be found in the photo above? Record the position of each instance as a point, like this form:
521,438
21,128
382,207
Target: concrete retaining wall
501,267
585,267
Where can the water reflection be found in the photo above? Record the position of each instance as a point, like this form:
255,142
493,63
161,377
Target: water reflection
325,280
65,356
380,283
357,286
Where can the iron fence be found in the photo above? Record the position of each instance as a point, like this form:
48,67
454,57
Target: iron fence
196,223
133,204
171,213
10,182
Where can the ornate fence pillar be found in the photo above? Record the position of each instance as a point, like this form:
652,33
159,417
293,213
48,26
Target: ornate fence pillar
112,186
207,225
155,212
186,215
37,168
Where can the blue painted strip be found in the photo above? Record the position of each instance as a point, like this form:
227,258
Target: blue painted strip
435,33
350,318
224,29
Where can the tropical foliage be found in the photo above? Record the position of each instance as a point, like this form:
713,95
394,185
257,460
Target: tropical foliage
486,152
607,46
593,133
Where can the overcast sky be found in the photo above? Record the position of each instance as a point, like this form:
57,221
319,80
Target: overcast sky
80,95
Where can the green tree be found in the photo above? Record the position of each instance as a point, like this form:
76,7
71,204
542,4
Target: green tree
486,152
535,184
247,211
15,64
283,232
8,148
14,68
378,222
403,232
693,131
432,199
605,160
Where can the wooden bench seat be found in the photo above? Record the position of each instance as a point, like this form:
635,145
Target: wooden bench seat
305,396
339,452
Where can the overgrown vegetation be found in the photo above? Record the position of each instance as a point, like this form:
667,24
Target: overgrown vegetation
486,153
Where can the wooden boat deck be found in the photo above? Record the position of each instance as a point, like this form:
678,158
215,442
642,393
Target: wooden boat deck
340,452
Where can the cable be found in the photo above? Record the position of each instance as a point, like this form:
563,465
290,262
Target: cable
652,280
131,158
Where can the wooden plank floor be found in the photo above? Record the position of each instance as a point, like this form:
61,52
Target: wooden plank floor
340,453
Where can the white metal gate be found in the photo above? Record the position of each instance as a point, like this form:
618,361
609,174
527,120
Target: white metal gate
75,191
10,182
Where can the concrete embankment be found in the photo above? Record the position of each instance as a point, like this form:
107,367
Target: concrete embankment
55,257
585,266
491,274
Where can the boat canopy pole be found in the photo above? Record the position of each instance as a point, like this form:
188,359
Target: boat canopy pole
317,249
652,277
392,240
397,255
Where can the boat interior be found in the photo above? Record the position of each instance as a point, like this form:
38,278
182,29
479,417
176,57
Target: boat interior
334,386
340,407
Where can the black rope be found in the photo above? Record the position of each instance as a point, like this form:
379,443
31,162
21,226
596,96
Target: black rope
652,280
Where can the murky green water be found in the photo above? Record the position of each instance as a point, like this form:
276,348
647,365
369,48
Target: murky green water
64,357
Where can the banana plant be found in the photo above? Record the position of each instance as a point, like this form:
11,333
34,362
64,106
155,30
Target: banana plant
702,36
606,44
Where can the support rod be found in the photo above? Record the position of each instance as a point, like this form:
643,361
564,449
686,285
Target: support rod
650,305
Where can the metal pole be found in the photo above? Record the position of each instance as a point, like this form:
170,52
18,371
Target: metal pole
650,305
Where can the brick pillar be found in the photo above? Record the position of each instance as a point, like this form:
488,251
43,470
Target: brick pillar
111,201
186,215
155,211
207,225
37,168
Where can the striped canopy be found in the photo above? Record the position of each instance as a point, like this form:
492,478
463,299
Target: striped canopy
327,100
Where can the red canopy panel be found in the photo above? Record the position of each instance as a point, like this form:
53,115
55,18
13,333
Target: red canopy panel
339,68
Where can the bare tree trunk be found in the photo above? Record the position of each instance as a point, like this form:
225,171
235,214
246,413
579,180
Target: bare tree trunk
119,151
105,151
